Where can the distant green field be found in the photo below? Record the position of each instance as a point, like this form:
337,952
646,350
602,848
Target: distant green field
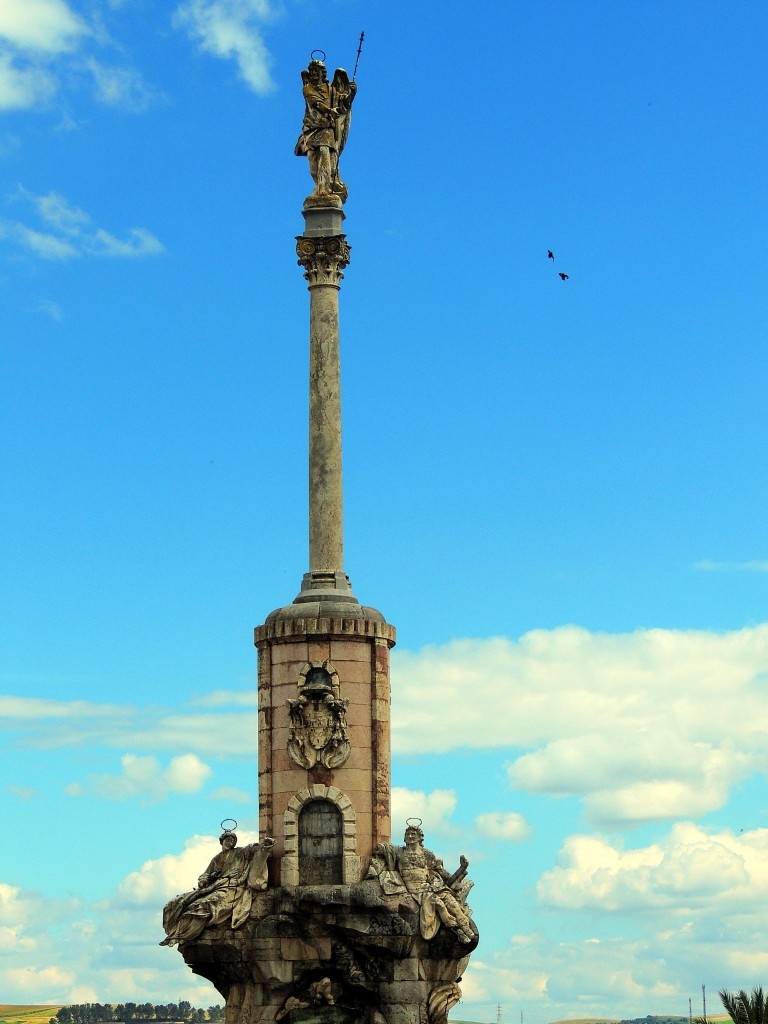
27,1014
588,1020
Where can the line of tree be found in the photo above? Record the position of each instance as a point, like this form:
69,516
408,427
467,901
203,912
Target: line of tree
653,1020
96,1013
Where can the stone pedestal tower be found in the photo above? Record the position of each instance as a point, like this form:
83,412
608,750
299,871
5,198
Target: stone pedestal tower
326,919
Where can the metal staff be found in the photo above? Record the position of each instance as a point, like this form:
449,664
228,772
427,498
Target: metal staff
357,61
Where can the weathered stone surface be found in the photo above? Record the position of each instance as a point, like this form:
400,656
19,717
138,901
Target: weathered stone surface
368,945
384,949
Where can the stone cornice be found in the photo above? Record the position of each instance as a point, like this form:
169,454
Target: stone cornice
288,629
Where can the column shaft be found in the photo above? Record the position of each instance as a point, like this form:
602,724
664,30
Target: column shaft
326,527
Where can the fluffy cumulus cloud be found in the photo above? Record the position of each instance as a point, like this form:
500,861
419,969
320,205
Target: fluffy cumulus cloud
54,951
690,873
156,881
570,978
652,725
648,726
144,776
30,969
508,826
231,30
64,232
434,809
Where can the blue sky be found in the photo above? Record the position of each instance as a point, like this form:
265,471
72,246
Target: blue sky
555,490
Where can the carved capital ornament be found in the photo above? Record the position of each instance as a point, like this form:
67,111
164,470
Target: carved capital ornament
323,259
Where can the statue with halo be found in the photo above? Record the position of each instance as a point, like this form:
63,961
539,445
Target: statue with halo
324,130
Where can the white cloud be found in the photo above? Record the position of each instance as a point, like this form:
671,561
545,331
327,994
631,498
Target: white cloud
231,793
120,86
230,29
144,776
140,242
25,86
681,714
22,792
44,724
433,808
576,978
691,872
70,232
42,244
55,211
157,881
51,309
35,708
32,34
57,951
222,698
44,43
756,565
505,825
48,26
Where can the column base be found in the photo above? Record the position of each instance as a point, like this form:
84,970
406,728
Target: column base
326,595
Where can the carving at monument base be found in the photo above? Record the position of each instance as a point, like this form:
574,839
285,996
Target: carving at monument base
334,954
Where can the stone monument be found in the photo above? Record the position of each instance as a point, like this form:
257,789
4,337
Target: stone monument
326,920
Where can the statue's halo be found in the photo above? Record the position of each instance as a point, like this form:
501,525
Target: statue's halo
313,57
413,822
229,827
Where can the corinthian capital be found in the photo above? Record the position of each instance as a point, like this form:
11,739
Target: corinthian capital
323,258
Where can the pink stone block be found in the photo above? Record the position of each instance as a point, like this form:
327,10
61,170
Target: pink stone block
295,651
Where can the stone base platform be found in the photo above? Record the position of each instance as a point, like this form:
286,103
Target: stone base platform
334,954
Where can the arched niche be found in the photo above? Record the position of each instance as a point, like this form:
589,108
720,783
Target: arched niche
321,838
290,873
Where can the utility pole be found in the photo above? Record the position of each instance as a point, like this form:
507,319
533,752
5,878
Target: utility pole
704,1001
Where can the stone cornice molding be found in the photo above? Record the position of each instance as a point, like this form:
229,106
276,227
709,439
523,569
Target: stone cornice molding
286,630
323,259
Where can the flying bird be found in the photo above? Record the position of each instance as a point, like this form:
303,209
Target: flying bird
563,277
550,254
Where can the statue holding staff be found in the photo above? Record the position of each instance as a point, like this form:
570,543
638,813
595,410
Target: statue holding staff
327,114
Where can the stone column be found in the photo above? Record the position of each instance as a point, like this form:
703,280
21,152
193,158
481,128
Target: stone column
324,255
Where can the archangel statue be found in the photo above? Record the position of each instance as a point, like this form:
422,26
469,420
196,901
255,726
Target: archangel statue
327,113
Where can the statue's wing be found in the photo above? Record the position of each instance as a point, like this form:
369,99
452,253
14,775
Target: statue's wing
342,93
341,79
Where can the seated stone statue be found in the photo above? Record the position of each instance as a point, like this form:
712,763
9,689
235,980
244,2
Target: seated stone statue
418,872
224,891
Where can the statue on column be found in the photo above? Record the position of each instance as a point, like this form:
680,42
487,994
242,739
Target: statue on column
327,114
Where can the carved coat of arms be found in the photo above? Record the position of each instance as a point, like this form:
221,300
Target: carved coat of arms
318,728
